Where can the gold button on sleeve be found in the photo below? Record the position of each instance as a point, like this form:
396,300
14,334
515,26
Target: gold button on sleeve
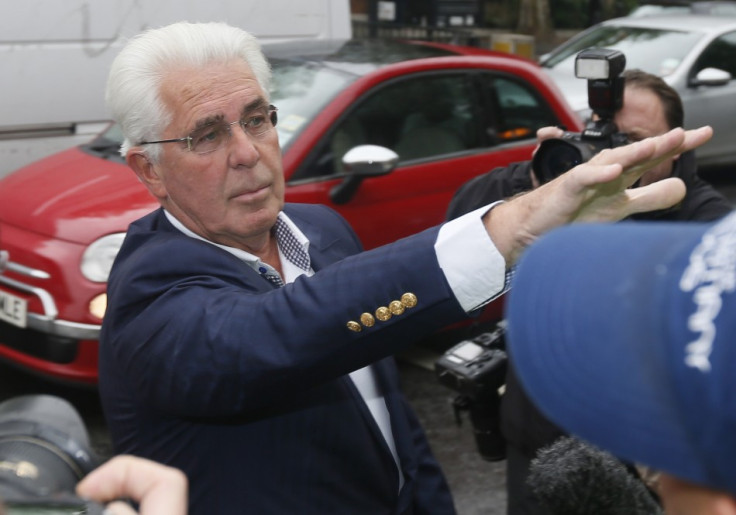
409,300
354,326
396,307
383,313
367,320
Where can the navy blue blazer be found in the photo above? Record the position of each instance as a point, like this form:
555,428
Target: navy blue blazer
206,366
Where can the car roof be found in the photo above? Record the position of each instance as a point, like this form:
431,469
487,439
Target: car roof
685,22
361,56
696,6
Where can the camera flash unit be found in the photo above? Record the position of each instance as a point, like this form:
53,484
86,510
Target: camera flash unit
599,64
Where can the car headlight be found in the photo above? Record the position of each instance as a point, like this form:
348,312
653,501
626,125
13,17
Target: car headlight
98,306
97,259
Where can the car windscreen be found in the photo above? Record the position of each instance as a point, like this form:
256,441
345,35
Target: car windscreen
653,50
308,75
301,89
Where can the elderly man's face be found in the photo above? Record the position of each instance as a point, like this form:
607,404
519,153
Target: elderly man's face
232,195
641,117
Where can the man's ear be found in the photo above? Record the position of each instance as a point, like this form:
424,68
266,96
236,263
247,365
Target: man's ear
147,172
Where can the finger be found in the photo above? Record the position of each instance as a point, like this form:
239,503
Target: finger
641,156
119,508
641,152
663,149
549,133
546,133
658,195
154,486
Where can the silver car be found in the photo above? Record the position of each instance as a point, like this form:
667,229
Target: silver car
695,54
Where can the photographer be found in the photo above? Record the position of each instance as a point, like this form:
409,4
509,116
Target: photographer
650,107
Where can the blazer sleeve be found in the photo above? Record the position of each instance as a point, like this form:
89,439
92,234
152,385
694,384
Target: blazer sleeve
201,334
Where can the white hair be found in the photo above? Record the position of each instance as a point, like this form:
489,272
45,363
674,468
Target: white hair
133,93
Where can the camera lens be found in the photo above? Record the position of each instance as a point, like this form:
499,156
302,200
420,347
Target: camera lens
555,157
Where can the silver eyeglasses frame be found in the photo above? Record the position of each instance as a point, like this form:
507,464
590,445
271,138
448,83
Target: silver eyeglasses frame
272,119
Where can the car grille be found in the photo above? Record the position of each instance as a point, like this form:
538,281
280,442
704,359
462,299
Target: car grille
56,349
46,322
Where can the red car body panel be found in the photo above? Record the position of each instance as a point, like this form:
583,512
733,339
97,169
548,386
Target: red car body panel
51,210
69,195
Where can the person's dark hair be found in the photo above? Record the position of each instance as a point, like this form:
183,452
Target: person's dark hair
671,102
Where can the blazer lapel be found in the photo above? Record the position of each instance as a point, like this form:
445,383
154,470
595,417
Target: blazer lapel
375,431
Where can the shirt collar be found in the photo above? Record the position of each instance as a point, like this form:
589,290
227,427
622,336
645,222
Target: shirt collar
248,258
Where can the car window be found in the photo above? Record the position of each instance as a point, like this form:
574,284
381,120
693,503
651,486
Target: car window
721,54
435,116
517,110
421,117
300,89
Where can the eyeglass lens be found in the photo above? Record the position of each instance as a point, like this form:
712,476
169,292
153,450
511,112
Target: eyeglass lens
211,137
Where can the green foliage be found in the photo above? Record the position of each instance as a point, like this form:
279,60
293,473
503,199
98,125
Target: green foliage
566,14
569,14
501,14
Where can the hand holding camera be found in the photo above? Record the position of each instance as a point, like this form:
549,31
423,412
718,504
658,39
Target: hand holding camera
157,488
47,466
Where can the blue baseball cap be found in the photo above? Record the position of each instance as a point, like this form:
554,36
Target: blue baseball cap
625,335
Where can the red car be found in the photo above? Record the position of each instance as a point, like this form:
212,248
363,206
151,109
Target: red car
449,113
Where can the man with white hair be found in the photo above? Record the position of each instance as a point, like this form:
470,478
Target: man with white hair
247,341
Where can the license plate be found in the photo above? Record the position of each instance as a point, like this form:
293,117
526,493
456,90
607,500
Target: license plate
13,309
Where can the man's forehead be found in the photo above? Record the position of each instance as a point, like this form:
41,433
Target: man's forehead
642,110
221,89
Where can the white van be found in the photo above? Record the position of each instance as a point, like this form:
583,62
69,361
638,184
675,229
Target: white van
55,55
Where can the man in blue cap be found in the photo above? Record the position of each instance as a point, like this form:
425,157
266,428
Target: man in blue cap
629,344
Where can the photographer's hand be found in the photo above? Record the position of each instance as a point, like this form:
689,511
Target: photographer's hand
160,490
543,134
595,191
548,133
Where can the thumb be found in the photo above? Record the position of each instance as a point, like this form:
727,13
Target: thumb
119,508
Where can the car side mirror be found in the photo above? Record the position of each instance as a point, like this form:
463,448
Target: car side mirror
710,77
360,163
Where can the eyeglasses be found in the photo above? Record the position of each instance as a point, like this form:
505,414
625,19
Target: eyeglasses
212,136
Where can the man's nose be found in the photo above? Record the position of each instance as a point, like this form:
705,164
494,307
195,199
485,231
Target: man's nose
241,146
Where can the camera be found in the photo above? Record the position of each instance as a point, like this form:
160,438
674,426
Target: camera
602,67
476,370
44,452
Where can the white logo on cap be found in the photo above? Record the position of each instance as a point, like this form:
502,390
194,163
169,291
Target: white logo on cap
711,272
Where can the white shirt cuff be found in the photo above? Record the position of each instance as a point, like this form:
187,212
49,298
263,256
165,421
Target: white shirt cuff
475,270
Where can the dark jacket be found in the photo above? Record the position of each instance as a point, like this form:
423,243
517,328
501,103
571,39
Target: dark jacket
208,367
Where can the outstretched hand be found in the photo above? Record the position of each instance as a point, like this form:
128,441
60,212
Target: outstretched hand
595,191
158,489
